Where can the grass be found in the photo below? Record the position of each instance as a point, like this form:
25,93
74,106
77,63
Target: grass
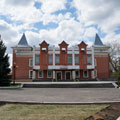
48,112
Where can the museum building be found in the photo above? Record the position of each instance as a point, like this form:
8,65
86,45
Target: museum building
49,62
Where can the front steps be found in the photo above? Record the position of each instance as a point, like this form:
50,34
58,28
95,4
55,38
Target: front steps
69,85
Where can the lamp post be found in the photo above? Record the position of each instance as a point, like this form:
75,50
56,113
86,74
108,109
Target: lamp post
14,68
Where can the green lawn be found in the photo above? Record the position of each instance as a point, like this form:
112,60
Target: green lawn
48,112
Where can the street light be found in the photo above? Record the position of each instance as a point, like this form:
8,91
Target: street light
14,69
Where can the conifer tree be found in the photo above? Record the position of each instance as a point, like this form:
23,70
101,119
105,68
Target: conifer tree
4,65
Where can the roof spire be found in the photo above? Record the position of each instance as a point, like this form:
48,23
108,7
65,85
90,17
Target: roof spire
23,41
98,41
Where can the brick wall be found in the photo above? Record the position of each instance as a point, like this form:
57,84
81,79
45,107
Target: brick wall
102,67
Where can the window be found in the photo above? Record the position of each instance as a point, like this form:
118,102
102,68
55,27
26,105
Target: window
69,59
30,62
85,73
37,60
95,62
40,74
77,73
76,60
50,59
49,73
57,59
89,60
30,73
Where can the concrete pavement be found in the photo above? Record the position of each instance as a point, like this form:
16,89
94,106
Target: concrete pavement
61,95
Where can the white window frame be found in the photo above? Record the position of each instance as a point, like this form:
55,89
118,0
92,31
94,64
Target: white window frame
30,62
79,74
51,74
89,59
65,74
38,74
75,60
36,59
56,59
30,72
48,59
84,74
56,74
68,59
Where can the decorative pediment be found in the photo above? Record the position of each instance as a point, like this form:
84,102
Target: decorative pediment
82,44
44,43
63,43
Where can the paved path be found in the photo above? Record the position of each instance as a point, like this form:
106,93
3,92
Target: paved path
61,95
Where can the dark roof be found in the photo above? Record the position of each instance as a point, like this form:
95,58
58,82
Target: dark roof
23,41
98,41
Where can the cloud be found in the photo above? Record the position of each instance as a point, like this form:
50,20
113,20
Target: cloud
50,6
101,12
18,2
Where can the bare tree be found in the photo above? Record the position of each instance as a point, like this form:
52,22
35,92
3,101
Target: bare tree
114,54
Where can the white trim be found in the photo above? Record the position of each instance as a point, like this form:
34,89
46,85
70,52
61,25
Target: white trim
36,67
84,74
63,67
51,74
30,62
63,49
65,74
44,49
56,74
38,74
29,73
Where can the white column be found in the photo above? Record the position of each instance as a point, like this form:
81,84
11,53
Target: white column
53,74
93,74
93,57
54,56
34,75
73,75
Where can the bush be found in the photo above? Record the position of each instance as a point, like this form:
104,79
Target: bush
5,82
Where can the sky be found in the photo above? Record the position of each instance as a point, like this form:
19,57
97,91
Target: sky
57,20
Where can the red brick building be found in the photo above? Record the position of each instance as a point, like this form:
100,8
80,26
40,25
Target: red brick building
62,62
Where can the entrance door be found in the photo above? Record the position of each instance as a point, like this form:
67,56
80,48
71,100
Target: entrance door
68,75
59,75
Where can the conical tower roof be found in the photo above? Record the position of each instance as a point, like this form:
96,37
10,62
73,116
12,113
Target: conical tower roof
98,41
23,41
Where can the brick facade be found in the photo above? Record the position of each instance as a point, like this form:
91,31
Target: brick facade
60,63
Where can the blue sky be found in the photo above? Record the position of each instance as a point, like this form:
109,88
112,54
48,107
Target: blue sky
56,20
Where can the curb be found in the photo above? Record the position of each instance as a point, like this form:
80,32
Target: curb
19,87
59,103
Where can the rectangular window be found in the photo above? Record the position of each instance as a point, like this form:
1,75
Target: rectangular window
95,62
37,59
89,60
30,73
77,73
69,59
30,62
50,59
49,73
76,60
57,59
40,74
85,73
